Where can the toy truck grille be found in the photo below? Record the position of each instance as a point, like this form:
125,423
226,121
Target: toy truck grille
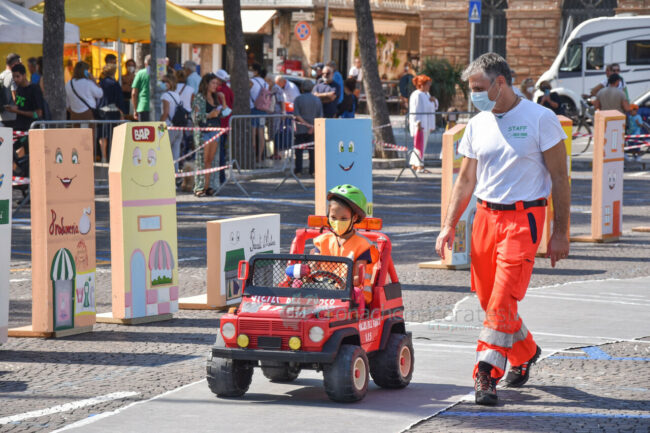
271,331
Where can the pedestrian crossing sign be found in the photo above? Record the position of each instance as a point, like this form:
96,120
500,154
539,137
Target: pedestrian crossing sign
474,12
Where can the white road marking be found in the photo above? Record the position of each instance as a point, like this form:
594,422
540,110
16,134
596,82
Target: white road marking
639,174
583,299
97,417
189,259
19,280
67,407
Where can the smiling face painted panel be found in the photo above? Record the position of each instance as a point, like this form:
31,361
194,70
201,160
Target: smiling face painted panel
349,155
144,244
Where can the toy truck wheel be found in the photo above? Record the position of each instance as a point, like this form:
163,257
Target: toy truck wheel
393,366
279,371
346,379
228,377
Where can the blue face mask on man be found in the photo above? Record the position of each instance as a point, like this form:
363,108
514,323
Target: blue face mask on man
482,101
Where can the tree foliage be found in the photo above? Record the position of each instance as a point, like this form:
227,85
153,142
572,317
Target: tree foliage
445,78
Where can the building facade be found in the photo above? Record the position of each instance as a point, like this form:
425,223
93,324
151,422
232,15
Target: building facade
528,33
273,40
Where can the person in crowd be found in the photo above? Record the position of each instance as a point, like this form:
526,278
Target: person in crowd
328,92
348,107
127,82
113,105
39,67
110,59
257,76
422,120
8,90
193,78
317,71
205,112
186,94
82,93
228,99
140,92
29,99
306,108
32,66
613,68
169,100
527,88
636,126
612,97
452,119
356,72
405,88
510,175
289,89
338,78
549,99
516,89
279,127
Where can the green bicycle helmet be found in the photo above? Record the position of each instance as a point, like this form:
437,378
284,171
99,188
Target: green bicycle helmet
351,195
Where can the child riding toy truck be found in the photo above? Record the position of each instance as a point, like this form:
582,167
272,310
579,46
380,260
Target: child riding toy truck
302,311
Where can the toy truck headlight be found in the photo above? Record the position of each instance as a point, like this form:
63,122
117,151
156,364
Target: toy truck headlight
316,334
228,330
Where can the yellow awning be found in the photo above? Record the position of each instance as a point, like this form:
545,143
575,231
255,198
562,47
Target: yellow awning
382,27
252,20
128,20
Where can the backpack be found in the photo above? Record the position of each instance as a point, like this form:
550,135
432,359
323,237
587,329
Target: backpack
264,101
181,116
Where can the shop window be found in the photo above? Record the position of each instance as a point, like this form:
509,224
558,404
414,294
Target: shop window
490,34
576,11
410,41
638,52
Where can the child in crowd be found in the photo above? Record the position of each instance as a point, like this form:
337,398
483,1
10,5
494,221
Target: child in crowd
348,106
636,126
346,208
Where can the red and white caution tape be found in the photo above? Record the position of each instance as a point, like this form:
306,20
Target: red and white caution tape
21,133
20,180
203,171
382,126
309,145
637,146
195,128
638,136
581,135
188,154
395,147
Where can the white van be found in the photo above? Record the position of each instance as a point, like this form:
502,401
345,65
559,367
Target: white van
592,45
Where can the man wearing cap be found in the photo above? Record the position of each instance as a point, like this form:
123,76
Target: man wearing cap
8,90
514,157
193,79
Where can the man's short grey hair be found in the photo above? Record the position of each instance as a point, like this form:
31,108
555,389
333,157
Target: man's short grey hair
307,86
190,65
490,64
147,59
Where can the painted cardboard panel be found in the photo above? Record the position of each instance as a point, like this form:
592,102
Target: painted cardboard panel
232,240
343,155
144,242
607,184
451,162
63,225
567,126
6,149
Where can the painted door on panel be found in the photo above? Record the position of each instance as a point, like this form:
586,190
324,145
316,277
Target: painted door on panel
138,285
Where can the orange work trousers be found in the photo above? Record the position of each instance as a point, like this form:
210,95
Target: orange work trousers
504,244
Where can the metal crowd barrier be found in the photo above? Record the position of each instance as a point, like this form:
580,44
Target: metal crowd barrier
260,145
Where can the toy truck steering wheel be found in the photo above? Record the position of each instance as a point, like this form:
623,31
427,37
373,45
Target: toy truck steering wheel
321,276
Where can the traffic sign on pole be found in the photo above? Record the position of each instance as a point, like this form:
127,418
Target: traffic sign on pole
474,14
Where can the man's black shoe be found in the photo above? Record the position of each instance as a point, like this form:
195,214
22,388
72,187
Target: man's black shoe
485,389
518,375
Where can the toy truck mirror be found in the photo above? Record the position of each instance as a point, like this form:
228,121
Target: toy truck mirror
242,271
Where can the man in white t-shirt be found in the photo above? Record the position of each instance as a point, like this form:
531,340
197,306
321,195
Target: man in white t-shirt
514,158
289,89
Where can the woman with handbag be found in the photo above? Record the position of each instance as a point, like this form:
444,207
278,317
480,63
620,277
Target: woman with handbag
82,93
206,111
